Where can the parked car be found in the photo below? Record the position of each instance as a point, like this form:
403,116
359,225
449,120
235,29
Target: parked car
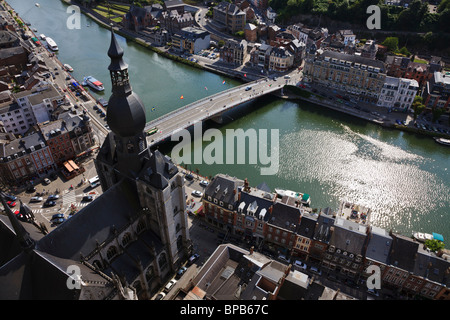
57,216
283,258
160,296
36,199
58,221
373,292
204,183
189,177
300,264
31,189
49,203
180,272
194,258
87,198
47,181
10,197
53,197
11,204
248,88
315,270
197,193
170,285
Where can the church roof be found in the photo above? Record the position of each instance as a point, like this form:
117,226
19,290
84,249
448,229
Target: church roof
98,222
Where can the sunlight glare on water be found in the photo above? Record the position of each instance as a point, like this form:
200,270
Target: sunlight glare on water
366,171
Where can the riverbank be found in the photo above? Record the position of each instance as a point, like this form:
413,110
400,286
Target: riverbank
246,75
132,36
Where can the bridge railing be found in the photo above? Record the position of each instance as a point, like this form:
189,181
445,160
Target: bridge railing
154,122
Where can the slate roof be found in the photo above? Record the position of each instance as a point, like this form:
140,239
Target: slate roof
379,245
307,226
285,216
222,188
432,267
349,236
322,231
403,252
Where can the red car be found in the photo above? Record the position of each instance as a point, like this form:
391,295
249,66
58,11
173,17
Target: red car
11,204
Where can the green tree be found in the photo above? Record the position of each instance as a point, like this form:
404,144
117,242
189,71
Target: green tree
391,43
434,245
417,106
436,114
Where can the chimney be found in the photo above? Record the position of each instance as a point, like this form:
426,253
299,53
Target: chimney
251,249
239,196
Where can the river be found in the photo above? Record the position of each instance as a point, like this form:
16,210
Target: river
403,177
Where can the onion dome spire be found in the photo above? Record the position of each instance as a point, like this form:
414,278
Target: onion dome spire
126,113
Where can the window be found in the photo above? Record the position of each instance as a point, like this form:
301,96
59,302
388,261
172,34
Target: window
111,253
126,239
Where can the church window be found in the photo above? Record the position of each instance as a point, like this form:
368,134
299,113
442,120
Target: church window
162,261
111,253
140,227
126,239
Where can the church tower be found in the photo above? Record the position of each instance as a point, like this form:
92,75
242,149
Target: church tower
125,116
125,155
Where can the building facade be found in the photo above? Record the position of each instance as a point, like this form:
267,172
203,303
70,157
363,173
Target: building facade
398,93
234,52
359,77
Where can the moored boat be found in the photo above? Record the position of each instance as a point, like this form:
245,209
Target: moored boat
68,67
94,83
422,236
42,36
51,44
303,197
443,141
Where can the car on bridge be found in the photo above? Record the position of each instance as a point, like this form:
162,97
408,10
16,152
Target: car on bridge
248,88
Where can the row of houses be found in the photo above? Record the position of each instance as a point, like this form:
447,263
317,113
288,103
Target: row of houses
45,149
232,273
40,129
342,242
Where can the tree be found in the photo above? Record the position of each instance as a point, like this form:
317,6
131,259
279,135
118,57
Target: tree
434,245
418,106
391,43
437,113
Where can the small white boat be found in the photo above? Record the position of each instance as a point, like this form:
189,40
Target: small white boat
51,44
42,36
422,237
68,67
37,4
94,83
303,197
445,142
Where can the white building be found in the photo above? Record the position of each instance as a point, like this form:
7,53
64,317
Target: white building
398,93
19,111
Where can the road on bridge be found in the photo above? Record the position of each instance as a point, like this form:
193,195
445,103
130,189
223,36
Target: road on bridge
210,107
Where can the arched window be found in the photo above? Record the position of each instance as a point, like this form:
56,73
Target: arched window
179,242
149,274
140,226
162,261
126,239
111,253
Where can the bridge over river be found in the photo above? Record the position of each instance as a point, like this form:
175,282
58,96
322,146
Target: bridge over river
211,107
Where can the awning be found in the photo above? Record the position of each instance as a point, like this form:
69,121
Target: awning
305,197
438,237
73,165
68,167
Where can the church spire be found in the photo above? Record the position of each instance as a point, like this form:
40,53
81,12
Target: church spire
118,68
